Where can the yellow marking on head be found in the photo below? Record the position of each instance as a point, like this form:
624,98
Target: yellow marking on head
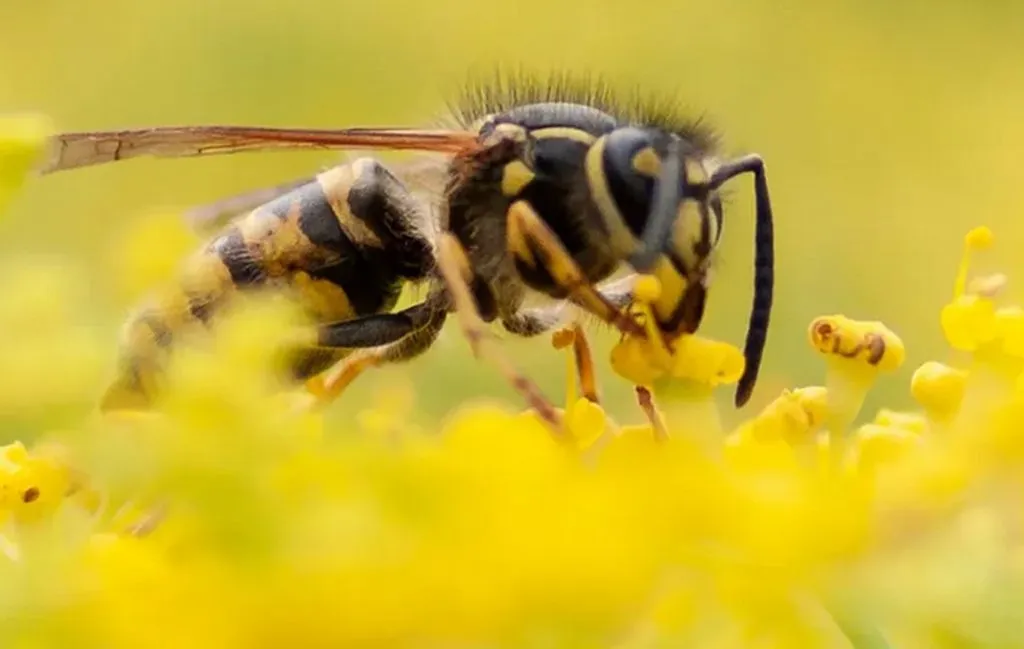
514,177
622,239
324,300
696,173
647,162
565,133
686,232
673,286
336,184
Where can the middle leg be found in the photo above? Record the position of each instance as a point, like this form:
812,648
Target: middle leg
533,322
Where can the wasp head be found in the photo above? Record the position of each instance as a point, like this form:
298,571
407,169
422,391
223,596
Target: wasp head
658,196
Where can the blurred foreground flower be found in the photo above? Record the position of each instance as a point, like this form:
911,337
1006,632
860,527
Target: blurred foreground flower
22,139
233,520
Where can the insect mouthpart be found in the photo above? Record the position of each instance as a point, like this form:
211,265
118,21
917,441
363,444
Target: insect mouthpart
680,306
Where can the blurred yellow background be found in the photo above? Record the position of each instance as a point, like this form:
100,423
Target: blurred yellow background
889,129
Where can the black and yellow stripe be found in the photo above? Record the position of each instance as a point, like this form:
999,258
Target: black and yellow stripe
342,245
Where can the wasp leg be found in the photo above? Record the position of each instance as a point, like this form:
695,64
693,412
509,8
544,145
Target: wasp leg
532,322
581,363
645,400
382,339
533,243
454,267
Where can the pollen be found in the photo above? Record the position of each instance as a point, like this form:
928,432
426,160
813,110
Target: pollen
647,289
690,358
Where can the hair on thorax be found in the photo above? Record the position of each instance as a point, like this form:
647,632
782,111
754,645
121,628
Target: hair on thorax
501,90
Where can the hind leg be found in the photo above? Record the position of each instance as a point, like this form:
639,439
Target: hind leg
382,339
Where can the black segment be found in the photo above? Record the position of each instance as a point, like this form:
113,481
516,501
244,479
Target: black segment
230,247
703,247
380,201
557,166
365,276
375,330
201,308
483,297
539,277
316,216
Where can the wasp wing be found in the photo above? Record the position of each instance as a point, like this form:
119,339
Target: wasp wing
208,217
74,150
424,176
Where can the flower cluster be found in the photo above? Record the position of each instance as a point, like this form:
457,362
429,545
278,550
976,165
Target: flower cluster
232,519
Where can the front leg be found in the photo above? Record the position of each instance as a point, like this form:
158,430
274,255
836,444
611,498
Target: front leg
531,242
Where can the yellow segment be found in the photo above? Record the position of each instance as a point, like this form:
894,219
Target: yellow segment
517,244
673,286
622,238
687,231
563,132
326,300
647,162
696,174
514,177
336,184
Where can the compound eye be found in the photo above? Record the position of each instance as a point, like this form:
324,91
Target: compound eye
631,166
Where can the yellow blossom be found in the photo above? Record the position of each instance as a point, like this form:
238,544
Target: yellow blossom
230,518
855,353
939,389
682,372
23,138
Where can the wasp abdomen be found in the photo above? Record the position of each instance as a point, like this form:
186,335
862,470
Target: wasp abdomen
342,245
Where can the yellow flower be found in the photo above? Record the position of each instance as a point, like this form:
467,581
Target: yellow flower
22,140
855,352
939,389
231,518
682,373
969,320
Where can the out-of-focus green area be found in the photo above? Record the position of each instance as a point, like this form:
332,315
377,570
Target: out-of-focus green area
889,129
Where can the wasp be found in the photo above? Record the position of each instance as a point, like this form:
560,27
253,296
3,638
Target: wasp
529,189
